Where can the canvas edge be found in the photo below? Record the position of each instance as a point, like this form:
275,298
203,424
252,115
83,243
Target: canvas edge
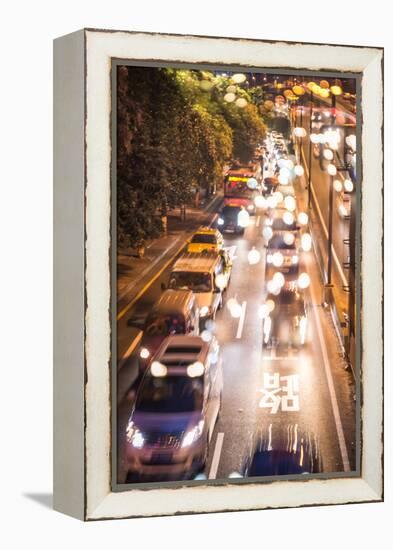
68,274
372,477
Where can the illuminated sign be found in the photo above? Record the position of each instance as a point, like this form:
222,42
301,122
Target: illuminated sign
237,178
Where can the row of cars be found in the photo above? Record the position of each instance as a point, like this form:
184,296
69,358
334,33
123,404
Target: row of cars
278,448
284,314
179,396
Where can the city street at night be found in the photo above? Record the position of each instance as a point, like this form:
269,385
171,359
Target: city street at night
279,389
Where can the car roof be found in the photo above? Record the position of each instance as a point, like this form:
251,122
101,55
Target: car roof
207,230
286,293
286,190
191,261
182,348
174,301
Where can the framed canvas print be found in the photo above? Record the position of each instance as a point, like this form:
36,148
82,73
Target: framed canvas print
218,274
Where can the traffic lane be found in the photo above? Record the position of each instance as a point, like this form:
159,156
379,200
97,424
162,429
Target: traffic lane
304,398
240,341
344,381
341,385
245,368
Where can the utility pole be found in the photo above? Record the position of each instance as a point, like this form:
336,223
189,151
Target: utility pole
310,151
329,285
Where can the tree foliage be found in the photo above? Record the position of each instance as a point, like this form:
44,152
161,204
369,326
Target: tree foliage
173,138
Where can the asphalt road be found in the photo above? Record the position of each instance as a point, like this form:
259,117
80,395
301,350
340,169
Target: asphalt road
325,402
325,397
340,225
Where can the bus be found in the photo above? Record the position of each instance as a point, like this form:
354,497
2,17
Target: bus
237,191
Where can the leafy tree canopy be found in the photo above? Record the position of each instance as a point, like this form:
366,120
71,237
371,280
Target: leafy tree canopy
175,133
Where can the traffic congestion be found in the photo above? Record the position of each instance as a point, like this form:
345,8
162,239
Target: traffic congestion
180,402
237,368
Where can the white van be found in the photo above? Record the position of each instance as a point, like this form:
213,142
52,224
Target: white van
201,274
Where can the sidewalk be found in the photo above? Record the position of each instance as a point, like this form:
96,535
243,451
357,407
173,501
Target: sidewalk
132,271
339,302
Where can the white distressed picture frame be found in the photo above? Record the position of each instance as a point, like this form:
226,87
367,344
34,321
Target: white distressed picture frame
82,248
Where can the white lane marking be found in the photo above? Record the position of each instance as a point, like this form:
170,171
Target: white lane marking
129,350
332,391
241,320
279,391
336,260
258,221
216,456
130,286
213,220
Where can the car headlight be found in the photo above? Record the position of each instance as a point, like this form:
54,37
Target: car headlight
220,221
277,259
144,353
134,436
303,329
193,435
295,259
204,311
250,207
243,218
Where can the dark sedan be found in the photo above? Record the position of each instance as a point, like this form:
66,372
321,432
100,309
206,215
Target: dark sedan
279,450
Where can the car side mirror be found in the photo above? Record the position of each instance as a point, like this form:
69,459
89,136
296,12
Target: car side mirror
191,327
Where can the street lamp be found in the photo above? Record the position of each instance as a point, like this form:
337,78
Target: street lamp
332,138
312,86
299,132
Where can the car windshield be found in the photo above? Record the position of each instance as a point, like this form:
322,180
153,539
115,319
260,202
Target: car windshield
197,281
289,302
239,189
277,241
230,212
170,394
163,325
279,225
204,238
